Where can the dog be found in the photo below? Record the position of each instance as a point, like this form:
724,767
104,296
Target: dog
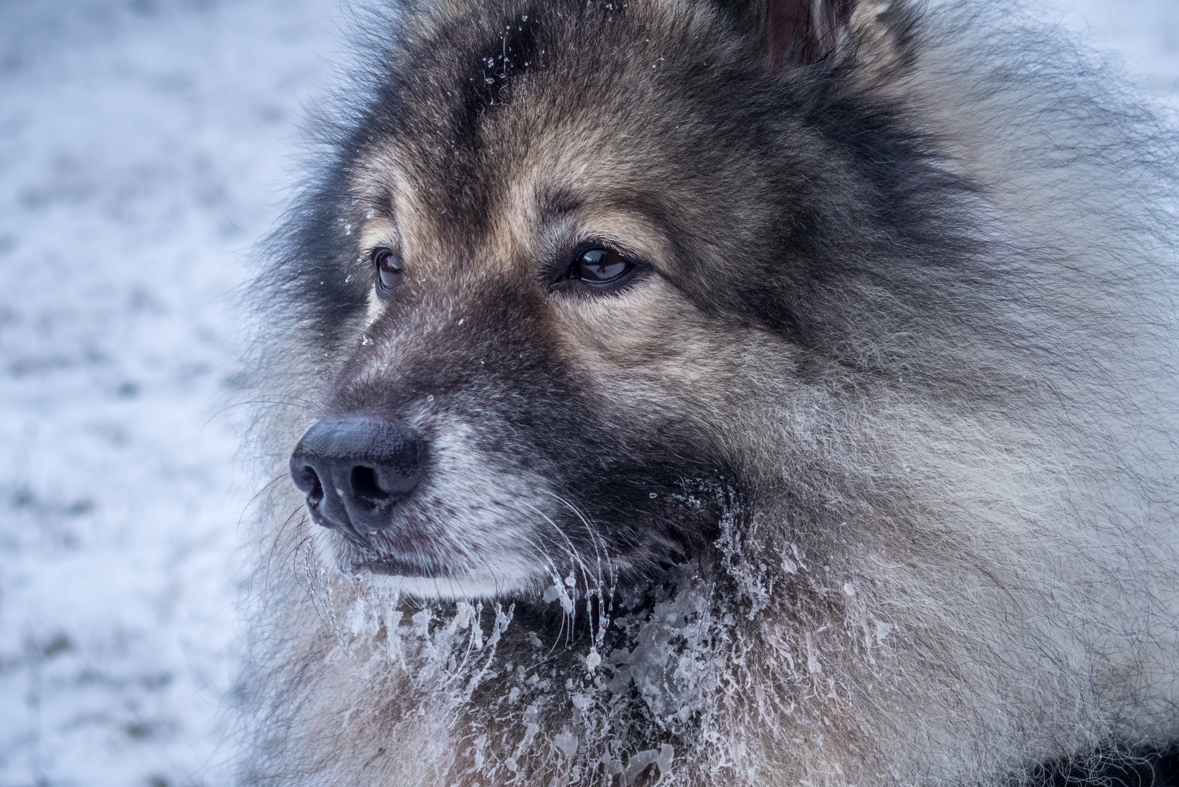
721,392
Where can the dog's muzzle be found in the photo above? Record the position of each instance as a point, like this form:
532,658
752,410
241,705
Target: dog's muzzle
355,470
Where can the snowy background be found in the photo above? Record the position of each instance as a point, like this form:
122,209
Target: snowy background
144,146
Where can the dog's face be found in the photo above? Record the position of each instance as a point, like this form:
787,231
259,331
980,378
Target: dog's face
556,331
574,312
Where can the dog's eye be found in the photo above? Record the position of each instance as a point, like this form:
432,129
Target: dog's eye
388,266
600,266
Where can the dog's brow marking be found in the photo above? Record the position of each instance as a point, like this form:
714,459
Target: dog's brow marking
556,203
485,84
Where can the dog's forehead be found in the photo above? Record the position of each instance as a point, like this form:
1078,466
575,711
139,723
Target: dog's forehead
483,143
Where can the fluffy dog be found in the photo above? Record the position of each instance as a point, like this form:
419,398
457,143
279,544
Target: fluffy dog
723,392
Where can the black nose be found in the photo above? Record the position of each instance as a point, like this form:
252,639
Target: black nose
355,470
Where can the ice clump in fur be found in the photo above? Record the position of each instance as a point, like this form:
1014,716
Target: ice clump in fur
665,663
658,667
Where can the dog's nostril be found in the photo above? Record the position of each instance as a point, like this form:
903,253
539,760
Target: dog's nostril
366,487
307,481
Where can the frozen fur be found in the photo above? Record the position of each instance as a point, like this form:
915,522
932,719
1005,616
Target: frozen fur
868,479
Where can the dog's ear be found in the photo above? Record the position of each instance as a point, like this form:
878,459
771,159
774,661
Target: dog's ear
804,32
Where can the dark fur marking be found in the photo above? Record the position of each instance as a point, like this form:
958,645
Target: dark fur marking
317,232
556,203
1116,767
501,61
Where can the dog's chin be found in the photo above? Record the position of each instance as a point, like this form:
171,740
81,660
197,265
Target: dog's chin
427,577
447,588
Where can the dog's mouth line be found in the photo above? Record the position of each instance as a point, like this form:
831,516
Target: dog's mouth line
368,558
398,567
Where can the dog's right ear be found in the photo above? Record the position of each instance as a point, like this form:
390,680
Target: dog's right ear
805,32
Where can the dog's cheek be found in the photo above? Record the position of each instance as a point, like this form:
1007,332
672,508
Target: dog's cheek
652,358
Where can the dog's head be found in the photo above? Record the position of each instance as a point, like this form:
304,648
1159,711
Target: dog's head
574,257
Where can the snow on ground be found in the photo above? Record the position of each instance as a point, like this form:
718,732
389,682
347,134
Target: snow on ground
143,145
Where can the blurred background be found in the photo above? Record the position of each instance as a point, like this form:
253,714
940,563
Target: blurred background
145,145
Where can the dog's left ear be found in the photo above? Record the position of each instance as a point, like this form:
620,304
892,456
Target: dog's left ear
805,32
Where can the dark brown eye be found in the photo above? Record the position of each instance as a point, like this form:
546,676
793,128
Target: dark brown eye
388,266
600,266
